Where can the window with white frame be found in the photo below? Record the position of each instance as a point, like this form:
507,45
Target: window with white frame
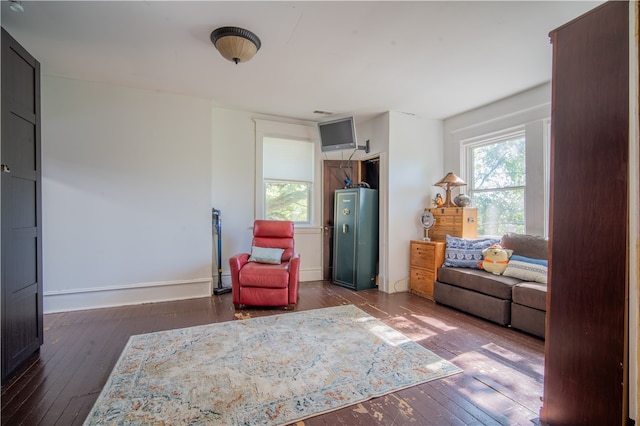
288,179
496,182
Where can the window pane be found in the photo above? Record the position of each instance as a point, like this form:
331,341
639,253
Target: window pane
500,211
498,182
287,201
499,165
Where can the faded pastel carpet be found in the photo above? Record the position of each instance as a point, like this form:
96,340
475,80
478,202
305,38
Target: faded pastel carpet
262,371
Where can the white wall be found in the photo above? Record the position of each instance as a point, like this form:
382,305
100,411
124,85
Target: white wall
410,152
126,178
130,177
376,131
530,109
234,189
407,173
414,165
233,177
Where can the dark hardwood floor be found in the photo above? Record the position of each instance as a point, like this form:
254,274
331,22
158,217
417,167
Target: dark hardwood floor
501,383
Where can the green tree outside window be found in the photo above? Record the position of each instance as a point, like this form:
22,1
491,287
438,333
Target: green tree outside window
497,186
287,201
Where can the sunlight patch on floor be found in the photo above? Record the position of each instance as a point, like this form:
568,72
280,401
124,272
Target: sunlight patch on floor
500,406
412,330
389,335
503,353
491,391
474,362
432,322
506,354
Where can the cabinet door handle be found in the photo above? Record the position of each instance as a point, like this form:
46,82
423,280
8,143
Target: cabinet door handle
345,228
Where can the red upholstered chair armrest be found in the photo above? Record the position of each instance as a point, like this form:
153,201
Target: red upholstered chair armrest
238,261
294,275
235,264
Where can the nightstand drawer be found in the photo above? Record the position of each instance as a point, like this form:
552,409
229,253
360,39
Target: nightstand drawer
422,256
425,259
421,282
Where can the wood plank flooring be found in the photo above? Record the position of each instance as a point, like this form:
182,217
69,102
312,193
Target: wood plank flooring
501,383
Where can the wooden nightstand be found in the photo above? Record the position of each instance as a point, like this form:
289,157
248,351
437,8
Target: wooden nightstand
455,221
425,259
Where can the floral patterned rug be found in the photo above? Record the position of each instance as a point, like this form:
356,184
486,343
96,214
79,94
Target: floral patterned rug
262,371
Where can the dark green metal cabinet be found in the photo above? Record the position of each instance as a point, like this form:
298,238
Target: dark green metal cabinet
355,238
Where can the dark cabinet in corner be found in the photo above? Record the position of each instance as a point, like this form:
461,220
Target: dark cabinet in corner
355,238
585,380
21,207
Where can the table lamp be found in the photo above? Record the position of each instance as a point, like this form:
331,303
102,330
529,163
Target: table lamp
447,182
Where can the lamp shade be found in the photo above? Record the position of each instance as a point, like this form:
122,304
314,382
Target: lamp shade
235,44
450,180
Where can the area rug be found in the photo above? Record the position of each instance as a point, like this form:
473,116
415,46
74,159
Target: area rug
262,371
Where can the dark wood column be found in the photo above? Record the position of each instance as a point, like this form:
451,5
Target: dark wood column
585,366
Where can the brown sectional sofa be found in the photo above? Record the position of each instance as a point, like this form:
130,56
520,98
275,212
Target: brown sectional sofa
504,300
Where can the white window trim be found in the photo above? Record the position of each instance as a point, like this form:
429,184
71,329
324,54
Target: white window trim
529,109
487,139
274,129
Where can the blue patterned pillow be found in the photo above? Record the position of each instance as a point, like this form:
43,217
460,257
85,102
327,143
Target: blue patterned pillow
466,253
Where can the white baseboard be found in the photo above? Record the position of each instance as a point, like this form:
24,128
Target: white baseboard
135,294
310,274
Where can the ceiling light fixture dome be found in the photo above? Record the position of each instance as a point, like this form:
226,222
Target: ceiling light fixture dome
235,44
16,6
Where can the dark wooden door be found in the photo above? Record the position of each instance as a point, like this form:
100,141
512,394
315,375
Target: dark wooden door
585,371
21,206
334,174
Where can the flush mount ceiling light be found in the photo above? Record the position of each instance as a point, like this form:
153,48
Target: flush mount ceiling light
235,44
16,6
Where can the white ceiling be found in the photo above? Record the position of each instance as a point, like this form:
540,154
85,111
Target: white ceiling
432,59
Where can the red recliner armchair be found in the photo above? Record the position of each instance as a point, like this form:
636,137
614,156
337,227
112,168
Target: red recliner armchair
269,275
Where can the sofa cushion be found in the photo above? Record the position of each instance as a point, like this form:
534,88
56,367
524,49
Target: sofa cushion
526,245
487,307
265,275
533,295
478,280
528,319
